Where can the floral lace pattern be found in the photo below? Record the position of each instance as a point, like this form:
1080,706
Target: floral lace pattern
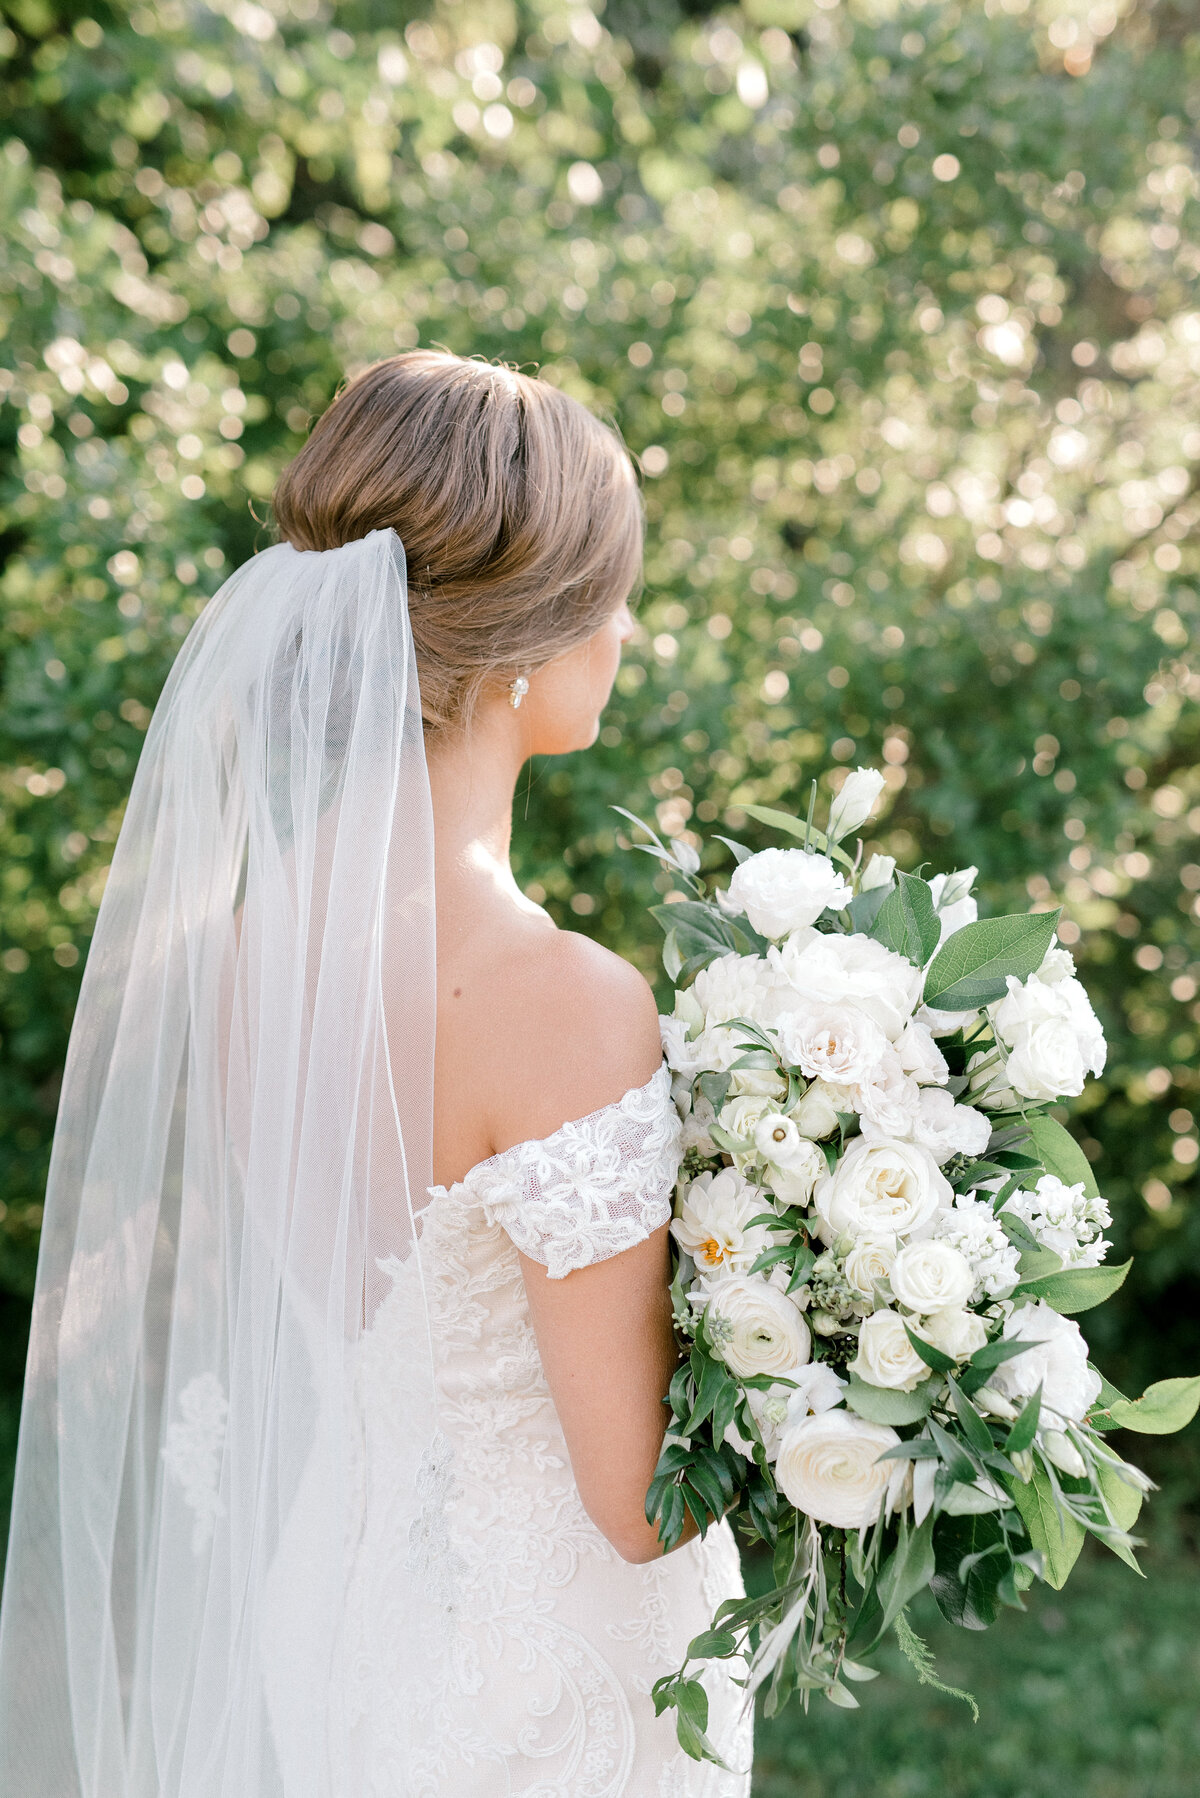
494,1641
192,1453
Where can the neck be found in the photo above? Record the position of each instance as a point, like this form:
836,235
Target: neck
472,780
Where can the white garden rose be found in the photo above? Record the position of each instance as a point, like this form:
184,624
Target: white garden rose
1056,1361
827,969
816,1112
880,1188
946,1128
733,986
869,1261
885,1355
1052,1034
829,1468
956,1332
834,1043
712,1223
880,871
854,802
781,890
931,1276
755,1328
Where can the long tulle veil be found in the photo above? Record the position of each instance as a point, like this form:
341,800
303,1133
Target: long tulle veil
242,1151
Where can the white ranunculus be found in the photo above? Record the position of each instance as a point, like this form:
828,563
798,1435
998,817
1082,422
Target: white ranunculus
712,1223
1052,1034
854,802
869,1261
920,1055
834,1043
829,1468
781,890
1056,1361
815,1113
733,986
952,900
946,1128
880,871
885,1355
755,1328
888,1104
827,969
879,1189
956,1332
931,1276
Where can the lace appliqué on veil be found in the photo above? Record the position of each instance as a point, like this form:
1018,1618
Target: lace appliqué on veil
598,1185
192,1453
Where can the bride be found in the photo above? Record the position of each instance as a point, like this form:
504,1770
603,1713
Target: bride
351,1328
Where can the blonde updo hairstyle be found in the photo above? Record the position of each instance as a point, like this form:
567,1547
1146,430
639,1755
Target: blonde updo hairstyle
518,510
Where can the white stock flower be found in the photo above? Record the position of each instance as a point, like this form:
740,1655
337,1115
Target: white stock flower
712,1223
781,890
880,871
932,1276
1053,1036
1065,1220
920,1055
946,1128
972,1227
869,1261
880,1188
885,1355
755,1328
1056,1361
832,969
956,1332
829,1468
854,802
952,900
733,986
815,1113
834,1043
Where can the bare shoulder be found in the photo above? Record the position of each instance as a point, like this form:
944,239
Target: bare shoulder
582,1031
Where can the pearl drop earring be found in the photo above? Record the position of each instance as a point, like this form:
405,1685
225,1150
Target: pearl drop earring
517,690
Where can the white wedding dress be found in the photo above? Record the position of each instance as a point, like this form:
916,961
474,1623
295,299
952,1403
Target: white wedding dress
498,1644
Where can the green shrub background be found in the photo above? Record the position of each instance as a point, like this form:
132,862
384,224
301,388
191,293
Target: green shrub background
899,306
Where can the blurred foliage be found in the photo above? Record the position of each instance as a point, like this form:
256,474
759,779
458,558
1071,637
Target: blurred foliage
899,306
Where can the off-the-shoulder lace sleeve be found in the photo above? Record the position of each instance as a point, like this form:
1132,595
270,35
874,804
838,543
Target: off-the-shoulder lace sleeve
598,1185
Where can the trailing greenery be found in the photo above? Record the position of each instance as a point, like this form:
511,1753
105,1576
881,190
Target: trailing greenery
898,306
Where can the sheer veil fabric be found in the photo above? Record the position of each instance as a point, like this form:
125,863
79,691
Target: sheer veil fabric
244,1136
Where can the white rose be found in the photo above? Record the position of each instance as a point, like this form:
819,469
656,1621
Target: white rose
952,900
756,1329
834,1043
816,1112
869,1261
786,889
1053,1036
712,1223
733,986
957,1332
829,1468
880,871
741,1116
920,1055
854,802
945,1023
879,1189
763,1083
794,1185
932,1276
946,1128
888,1104
1056,1361
830,969
885,1355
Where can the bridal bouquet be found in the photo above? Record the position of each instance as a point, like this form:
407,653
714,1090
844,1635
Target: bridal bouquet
882,1238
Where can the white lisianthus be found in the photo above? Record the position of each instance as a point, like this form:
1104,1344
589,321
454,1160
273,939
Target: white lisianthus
880,871
920,1055
869,1261
829,1468
880,1188
755,1328
801,1392
1053,1036
888,1104
1065,1220
1057,964
712,1223
815,1113
974,1229
733,986
885,1355
828,969
854,802
946,1128
1056,1360
1063,1452
931,1276
956,1332
834,1043
781,890
952,900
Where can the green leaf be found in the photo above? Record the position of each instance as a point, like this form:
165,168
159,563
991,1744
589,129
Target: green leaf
974,1428
1163,1408
916,1652
1024,1428
968,1597
739,850
712,1378
696,926
1057,1537
972,966
1077,1288
864,908
932,1357
672,956
1061,1155
907,921
908,1571
796,827
712,1645
881,1404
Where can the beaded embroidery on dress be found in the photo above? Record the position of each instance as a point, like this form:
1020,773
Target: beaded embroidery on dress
537,1644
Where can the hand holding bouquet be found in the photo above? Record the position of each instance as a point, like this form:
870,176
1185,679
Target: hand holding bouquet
882,1239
